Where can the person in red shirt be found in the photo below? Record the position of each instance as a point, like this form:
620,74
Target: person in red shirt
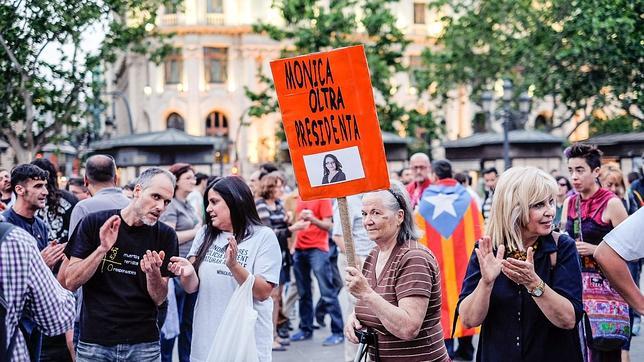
420,167
312,254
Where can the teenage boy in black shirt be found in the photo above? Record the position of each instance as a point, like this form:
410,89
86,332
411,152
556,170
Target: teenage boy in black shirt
120,258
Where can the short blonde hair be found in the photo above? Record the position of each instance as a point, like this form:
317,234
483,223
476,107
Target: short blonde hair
613,175
517,190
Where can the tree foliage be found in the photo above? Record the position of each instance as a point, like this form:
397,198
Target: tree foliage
587,55
619,124
46,64
313,27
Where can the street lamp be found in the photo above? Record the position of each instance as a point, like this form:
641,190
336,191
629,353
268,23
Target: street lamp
221,148
506,114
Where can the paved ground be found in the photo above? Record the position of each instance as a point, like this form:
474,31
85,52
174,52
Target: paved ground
312,350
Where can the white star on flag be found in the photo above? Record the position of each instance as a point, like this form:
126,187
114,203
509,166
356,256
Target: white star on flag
442,203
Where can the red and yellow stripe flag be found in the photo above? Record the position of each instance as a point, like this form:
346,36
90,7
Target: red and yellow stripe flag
451,224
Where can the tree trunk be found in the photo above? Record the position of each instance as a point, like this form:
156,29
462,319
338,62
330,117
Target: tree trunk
23,154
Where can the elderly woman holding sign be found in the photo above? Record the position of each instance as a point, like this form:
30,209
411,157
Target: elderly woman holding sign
398,291
523,282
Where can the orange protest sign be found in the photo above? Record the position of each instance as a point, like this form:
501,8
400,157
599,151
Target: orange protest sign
331,124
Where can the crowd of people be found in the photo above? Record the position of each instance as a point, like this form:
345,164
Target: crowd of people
92,271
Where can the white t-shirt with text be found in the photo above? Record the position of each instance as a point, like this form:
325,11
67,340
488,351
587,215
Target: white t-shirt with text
260,255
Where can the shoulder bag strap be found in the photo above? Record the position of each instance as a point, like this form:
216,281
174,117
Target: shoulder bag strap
577,228
553,255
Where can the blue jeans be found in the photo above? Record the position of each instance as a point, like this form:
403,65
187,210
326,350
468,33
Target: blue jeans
317,260
336,278
141,352
185,306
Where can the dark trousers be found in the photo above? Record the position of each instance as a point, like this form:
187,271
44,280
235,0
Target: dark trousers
55,349
185,307
33,338
316,260
465,348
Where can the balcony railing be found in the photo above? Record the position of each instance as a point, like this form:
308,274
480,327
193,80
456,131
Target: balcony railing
172,19
215,19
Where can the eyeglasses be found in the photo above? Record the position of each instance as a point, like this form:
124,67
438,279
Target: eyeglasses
563,185
419,168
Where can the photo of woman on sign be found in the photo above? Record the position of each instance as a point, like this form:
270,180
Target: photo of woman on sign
332,170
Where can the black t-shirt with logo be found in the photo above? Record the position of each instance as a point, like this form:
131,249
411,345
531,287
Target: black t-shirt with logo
117,308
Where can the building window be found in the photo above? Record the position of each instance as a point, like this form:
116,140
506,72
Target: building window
214,6
543,122
419,13
216,124
174,67
175,121
216,64
172,8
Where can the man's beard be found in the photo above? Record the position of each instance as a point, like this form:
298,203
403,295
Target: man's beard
145,219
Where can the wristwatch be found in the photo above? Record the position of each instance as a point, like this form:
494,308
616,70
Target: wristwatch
538,290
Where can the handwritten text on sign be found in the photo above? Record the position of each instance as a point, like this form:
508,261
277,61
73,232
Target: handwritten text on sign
316,76
330,122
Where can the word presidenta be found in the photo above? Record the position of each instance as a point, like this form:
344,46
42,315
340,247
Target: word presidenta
324,95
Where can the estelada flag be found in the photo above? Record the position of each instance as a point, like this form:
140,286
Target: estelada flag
451,224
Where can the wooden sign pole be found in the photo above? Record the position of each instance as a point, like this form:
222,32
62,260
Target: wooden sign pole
346,232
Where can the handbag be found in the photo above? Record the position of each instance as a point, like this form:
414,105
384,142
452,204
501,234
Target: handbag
606,314
235,337
607,322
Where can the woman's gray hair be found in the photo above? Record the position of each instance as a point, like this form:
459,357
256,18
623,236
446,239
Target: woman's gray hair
396,198
145,178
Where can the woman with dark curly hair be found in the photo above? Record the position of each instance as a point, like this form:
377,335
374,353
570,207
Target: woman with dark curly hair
332,170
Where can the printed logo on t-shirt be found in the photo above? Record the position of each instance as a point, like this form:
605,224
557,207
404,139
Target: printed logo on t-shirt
216,255
123,264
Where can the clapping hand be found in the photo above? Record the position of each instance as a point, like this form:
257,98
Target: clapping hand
522,272
52,253
152,261
489,263
231,253
180,267
109,232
